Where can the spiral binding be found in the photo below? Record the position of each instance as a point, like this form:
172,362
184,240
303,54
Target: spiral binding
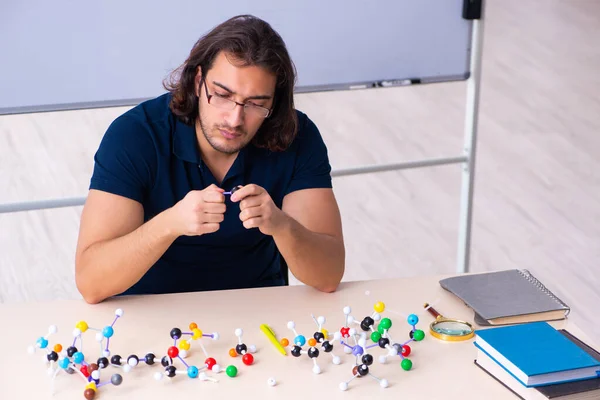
532,279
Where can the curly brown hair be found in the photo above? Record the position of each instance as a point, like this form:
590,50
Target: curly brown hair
251,41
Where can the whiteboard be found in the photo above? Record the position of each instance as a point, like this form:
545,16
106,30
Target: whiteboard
68,54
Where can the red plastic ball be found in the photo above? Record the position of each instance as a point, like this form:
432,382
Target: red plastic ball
345,332
173,352
84,371
210,362
406,350
248,359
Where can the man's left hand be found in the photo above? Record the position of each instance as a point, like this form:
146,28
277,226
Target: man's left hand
257,209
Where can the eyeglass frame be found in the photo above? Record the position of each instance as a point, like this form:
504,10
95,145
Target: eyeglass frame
243,105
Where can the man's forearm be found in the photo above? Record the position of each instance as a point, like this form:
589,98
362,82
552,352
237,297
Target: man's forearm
113,266
316,259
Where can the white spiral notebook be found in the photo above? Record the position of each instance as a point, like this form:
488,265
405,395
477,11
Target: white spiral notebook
506,297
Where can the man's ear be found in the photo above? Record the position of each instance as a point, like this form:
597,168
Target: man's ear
197,80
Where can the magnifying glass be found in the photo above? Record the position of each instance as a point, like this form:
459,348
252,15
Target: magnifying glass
447,329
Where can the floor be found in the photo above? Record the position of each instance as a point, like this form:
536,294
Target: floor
537,188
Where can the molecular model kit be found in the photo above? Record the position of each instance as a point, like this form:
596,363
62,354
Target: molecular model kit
73,361
380,337
359,342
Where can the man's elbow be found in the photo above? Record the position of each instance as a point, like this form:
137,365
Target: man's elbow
87,288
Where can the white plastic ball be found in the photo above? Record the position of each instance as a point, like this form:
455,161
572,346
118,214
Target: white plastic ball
216,368
126,368
347,350
367,292
291,325
271,381
252,349
96,374
376,316
343,386
216,336
316,369
239,332
119,312
202,376
99,337
337,360
382,359
76,332
350,319
384,383
132,361
362,342
393,351
30,349
337,335
53,329
321,320
106,353
347,310
183,353
363,335
352,332
158,376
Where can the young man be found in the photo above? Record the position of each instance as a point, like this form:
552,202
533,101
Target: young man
160,216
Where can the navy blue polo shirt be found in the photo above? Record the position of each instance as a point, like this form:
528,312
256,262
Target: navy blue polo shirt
150,156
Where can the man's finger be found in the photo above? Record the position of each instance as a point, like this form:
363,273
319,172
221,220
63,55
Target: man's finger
249,213
215,208
250,201
245,191
213,196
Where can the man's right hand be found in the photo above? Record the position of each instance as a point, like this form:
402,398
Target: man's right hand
199,212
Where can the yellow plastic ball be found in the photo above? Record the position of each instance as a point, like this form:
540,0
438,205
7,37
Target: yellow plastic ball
184,345
379,307
82,326
325,332
196,333
91,385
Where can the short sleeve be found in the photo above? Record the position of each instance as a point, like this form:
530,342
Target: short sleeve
126,161
311,168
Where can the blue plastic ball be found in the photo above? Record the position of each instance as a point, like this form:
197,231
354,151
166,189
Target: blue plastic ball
192,371
63,363
300,340
357,350
413,319
108,331
78,357
41,343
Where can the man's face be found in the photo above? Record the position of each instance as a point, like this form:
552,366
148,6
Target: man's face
229,129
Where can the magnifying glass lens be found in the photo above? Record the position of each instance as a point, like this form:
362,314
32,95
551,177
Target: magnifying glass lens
452,328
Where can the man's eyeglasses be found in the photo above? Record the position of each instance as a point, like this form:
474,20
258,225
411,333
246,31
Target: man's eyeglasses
228,104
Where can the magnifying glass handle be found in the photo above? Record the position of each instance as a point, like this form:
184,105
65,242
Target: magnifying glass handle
432,311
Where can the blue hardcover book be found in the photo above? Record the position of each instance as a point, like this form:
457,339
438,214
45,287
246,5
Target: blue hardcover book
536,354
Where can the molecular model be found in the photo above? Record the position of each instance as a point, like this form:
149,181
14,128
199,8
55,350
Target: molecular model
383,338
72,360
363,359
243,350
180,353
320,336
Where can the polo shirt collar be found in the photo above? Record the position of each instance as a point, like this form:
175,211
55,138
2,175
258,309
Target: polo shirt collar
185,147
185,143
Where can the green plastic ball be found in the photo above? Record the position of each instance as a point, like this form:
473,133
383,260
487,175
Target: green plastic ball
418,335
375,336
231,371
406,364
386,323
